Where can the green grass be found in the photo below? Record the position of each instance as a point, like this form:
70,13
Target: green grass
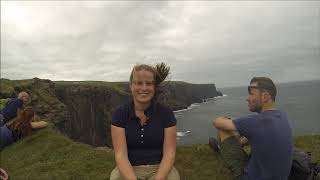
309,144
3,103
48,154
201,163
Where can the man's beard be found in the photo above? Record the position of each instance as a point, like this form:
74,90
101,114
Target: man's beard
257,108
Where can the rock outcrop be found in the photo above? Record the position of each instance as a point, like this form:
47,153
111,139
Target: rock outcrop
90,108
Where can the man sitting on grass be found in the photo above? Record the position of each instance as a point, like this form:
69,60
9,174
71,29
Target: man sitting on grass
268,133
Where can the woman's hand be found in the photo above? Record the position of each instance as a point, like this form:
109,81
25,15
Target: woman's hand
169,153
121,153
3,174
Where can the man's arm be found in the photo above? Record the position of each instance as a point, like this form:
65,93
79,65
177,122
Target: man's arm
223,123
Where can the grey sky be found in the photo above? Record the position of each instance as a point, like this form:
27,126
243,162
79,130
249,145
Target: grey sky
219,42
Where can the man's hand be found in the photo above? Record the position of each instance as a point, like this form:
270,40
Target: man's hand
3,174
243,141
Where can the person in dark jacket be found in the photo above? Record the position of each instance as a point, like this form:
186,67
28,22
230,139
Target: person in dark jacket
10,110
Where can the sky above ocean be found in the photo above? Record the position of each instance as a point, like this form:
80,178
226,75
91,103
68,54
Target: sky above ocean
221,42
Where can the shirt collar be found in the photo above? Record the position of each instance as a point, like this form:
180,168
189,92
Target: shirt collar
148,112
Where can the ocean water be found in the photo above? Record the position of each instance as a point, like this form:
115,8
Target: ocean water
300,100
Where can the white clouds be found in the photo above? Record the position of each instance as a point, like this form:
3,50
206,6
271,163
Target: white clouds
201,41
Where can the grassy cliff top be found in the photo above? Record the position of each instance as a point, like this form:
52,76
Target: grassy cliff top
8,86
47,154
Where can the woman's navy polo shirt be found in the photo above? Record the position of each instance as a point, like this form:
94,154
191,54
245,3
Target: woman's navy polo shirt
144,143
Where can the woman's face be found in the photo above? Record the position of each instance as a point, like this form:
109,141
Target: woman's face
142,86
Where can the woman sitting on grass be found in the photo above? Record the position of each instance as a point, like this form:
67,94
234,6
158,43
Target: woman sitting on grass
144,131
21,127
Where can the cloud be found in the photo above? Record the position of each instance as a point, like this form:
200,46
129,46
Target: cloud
219,42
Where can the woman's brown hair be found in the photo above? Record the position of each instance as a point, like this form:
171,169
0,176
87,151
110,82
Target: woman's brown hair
22,125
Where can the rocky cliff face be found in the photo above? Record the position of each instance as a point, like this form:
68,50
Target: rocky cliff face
180,95
90,109
83,110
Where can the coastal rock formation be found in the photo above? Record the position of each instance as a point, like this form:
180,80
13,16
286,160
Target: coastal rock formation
180,95
90,108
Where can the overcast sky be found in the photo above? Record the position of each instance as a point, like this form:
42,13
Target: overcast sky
221,42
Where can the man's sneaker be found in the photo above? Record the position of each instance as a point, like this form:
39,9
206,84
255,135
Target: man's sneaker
214,144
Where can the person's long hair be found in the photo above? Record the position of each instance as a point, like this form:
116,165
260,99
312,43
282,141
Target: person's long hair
22,125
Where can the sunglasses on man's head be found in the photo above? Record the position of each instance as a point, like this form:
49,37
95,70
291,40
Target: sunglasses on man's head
259,87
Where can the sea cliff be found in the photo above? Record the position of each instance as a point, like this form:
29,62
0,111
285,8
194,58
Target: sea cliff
82,109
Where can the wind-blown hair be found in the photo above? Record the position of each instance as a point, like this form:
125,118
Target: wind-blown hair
160,73
22,125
